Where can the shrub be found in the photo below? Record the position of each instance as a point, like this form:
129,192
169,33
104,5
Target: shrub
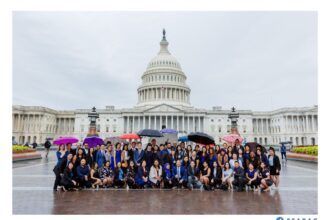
310,150
21,149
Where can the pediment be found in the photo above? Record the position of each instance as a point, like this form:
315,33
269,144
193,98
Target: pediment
163,108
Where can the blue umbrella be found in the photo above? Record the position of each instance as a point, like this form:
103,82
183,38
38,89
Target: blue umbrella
168,131
183,139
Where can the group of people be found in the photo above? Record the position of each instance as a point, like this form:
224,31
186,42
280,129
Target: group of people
129,165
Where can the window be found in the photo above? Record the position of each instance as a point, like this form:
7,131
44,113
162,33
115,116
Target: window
219,129
107,129
114,120
108,119
212,120
98,128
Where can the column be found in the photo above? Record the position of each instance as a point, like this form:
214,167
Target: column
177,122
194,124
155,118
18,122
183,123
139,123
144,121
199,123
125,124
188,129
149,122
172,122
257,126
303,124
126,118
166,121
313,127
307,123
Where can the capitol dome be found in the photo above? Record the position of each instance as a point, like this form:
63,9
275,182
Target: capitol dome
164,81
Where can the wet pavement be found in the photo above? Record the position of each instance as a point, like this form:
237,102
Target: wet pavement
33,181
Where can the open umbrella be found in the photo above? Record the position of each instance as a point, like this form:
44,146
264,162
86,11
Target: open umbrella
150,133
183,139
231,138
168,131
65,140
92,141
129,136
201,138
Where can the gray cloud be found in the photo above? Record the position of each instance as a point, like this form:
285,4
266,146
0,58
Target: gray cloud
252,60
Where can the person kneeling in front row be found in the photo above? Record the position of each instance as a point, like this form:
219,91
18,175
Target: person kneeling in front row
193,173
239,177
82,174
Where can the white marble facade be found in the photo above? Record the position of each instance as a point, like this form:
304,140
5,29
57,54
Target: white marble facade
164,99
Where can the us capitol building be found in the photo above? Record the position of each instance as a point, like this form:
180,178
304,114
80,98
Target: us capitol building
164,99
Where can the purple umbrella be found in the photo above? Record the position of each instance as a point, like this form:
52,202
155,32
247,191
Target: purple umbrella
93,141
65,140
168,131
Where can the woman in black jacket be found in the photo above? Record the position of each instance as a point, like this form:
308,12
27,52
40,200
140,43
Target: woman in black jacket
130,175
216,175
274,166
67,181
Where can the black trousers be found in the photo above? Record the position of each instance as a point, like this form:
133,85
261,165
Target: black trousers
131,182
119,183
177,183
215,182
57,181
239,182
167,184
254,183
83,183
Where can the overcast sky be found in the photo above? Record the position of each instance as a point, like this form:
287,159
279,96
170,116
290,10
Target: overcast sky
251,60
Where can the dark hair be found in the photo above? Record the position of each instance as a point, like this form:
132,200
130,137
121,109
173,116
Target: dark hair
139,142
271,148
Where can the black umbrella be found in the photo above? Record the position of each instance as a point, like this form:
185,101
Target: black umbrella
150,133
201,138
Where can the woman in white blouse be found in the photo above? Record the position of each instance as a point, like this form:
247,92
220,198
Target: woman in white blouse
155,174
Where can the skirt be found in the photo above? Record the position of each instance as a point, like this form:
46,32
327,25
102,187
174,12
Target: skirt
272,171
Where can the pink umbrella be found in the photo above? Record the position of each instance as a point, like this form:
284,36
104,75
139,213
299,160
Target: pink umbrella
65,140
231,138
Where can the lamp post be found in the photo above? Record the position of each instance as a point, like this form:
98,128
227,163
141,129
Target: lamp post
233,116
93,115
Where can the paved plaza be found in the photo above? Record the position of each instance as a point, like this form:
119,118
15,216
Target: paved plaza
33,181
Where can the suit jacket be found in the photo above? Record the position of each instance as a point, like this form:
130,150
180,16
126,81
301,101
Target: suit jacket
239,173
138,156
183,173
140,173
276,162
